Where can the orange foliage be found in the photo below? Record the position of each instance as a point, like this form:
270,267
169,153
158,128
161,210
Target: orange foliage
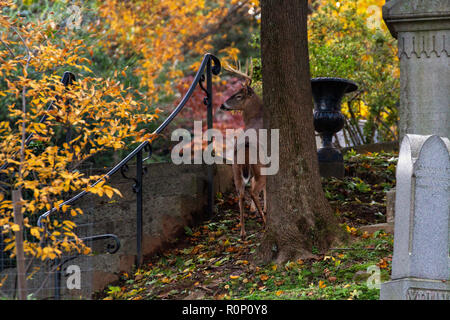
163,32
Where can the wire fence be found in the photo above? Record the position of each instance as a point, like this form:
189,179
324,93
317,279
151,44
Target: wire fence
68,277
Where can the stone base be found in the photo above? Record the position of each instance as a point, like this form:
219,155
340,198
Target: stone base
371,228
415,289
332,169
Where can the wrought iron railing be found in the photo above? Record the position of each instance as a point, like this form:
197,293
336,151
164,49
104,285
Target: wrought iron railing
59,263
67,79
210,65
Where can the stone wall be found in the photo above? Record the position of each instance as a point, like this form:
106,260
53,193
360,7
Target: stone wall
174,196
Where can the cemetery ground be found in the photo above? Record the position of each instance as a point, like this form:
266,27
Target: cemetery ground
211,262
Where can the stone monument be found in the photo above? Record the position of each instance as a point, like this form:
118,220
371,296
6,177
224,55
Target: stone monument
420,264
422,28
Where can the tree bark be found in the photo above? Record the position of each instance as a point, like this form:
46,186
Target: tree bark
299,218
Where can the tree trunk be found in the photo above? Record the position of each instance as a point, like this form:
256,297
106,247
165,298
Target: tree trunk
299,218
20,255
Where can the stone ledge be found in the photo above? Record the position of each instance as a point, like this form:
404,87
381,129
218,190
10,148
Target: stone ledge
415,289
416,15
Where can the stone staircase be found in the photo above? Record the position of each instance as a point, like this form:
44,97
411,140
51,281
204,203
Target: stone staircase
174,196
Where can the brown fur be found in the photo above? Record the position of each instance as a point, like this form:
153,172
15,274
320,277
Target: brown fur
247,101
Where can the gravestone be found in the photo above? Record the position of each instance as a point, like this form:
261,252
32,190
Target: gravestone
420,264
422,28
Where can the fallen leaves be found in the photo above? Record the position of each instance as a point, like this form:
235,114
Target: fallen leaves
228,274
278,282
138,277
166,280
264,277
365,235
384,262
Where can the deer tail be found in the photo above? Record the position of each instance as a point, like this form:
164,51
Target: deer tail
246,173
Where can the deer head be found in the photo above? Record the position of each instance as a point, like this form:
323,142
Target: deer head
245,99
240,101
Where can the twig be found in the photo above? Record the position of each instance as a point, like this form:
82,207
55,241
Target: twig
9,50
22,145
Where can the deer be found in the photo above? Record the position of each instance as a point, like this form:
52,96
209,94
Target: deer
245,100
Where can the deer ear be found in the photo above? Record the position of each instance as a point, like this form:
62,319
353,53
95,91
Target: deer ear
250,91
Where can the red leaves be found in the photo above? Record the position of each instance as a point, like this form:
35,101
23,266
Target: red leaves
195,108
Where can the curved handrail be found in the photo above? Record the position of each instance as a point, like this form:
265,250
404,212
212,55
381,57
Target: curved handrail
111,248
199,77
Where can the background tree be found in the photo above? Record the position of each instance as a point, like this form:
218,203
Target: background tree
164,35
154,45
299,218
349,39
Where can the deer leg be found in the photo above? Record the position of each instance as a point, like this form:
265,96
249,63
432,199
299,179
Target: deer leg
241,209
240,188
265,199
253,206
255,191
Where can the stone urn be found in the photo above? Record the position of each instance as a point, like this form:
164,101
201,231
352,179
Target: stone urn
328,119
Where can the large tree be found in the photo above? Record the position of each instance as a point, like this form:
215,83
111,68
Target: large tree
299,218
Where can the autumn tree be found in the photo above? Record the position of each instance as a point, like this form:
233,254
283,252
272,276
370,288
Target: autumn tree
96,115
349,39
299,218
164,34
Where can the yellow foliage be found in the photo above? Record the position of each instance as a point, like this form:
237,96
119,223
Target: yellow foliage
101,114
163,32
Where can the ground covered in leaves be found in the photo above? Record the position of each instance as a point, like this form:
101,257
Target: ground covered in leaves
360,198
212,262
